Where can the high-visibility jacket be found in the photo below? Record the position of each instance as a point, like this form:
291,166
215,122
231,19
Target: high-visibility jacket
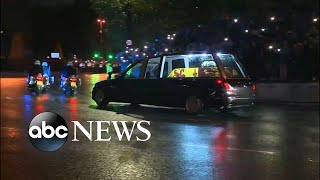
130,71
109,68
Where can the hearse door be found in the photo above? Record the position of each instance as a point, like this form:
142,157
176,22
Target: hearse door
132,84
173,89
153,86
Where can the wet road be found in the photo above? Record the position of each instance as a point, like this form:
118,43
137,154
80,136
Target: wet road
267,142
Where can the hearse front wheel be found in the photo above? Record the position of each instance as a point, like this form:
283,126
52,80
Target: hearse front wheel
100,98
194,105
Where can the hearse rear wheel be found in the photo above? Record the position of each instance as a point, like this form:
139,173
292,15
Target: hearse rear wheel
100,99
194,105
134,105
223,109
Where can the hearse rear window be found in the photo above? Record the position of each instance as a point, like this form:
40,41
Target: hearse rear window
232,68
191,65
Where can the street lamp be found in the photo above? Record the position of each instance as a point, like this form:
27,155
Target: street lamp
272,18
315,19
101,22
226,39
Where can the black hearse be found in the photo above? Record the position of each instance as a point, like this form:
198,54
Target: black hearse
192,80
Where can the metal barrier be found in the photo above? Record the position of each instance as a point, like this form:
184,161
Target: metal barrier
288,92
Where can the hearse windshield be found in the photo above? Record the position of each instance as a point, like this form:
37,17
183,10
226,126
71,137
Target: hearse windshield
190,65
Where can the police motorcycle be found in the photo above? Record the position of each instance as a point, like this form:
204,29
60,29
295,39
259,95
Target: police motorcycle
38,84
39,81
69,82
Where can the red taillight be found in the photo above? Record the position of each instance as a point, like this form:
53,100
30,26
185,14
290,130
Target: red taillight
229,88
219,81
73,80
253,88
39,78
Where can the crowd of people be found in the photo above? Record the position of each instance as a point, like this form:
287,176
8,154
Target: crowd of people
276,53
275,48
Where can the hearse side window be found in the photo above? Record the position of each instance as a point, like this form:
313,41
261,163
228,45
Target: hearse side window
178,63
193,66
134,72
153,68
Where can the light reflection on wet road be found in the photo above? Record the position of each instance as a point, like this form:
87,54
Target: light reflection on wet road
268,142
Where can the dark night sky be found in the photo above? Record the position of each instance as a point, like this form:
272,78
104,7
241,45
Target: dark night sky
47,22
72,23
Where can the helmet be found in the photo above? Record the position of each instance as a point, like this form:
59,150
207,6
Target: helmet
69,63
36,62
44,64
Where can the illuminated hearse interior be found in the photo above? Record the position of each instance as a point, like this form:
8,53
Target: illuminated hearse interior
188,66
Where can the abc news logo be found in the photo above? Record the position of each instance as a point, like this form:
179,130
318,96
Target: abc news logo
48,131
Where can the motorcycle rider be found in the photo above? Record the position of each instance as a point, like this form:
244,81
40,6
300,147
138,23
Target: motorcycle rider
47,72
35,70
46,69
68,71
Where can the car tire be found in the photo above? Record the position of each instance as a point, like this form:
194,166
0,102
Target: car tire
194,105
71,92
100,98
38,90
223,109
134,105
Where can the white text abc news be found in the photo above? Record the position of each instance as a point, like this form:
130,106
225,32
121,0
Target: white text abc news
101,127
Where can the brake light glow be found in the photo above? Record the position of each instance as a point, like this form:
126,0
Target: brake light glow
73,80
39,78
229,88
253,88
219,81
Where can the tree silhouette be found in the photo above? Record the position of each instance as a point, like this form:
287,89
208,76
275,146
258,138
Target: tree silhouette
58,49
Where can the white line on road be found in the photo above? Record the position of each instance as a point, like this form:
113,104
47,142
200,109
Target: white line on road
250,150
234,149
8,98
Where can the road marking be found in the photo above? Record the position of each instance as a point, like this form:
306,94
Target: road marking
250,150
8,98
11,128
234,149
